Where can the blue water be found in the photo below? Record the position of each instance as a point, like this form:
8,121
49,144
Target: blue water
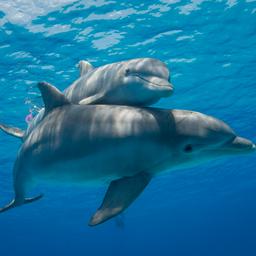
209,47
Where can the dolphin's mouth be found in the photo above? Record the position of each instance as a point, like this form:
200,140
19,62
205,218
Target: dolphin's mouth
156,83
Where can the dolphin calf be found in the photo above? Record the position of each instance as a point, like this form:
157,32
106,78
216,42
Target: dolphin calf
138,82
122,145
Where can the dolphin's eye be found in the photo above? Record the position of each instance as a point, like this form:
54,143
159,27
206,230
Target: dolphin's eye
127,71
188,148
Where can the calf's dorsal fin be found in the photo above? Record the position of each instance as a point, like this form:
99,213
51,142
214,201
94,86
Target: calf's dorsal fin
84,67
52,97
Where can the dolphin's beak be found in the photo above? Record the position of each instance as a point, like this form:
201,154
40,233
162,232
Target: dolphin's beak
158,84
240,145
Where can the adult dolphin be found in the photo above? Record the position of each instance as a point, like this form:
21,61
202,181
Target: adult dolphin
125,146
137,82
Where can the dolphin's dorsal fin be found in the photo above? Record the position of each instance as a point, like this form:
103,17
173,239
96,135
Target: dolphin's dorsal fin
84,67
52,97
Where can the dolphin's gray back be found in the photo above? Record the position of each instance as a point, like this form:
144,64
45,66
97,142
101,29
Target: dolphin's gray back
96,80
79,130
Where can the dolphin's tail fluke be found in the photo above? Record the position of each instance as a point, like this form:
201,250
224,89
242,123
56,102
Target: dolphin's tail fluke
14,131
14,203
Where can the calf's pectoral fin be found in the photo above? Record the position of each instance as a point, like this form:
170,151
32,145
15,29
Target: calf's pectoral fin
14,203
14,131
120,194
95,99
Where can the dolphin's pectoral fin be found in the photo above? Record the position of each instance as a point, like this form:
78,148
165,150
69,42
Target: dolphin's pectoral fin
14,203
52,97
14,131
120,194
84,67
119,221
95,99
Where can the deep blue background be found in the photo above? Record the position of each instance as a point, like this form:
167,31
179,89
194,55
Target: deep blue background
209,47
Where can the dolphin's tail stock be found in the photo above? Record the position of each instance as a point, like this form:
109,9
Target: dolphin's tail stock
14,203
13,131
